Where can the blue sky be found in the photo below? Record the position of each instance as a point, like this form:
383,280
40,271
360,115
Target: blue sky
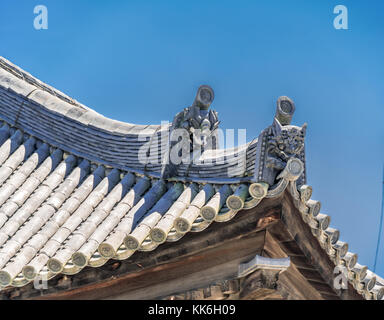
142,61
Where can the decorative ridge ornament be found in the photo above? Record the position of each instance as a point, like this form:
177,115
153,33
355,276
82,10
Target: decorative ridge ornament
284,110
196,126
204,97
281,147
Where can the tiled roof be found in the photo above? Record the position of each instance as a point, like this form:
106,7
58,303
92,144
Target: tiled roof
76,129
60,213
73,195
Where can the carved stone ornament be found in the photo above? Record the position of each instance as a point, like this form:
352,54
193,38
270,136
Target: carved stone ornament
197,119
279,145
196,125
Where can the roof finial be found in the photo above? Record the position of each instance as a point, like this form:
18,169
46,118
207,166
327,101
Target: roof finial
198,124
281,149
284,110
204,97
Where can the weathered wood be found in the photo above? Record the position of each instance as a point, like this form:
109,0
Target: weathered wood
279,232
309,245
301,262
260,279
218,290
311,275
291,281
322,287
298,287
291,248
330,296
262,294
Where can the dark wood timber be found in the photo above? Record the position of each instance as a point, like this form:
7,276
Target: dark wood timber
313,252
291,283
301,262
263,294
261,283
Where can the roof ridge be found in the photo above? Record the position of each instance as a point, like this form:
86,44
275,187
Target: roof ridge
88,134
87,114
26,76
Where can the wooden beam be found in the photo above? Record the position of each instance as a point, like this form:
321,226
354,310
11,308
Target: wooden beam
291,284
291,248
310,247
279,232
261,281
330,296
311,275
263,294
301,262
185,274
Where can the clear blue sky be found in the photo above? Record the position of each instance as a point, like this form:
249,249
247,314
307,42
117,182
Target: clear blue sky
142,61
